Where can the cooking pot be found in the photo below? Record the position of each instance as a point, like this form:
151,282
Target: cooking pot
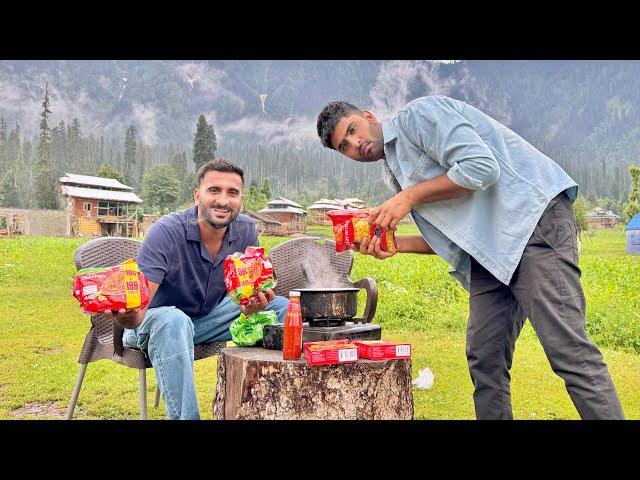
320,303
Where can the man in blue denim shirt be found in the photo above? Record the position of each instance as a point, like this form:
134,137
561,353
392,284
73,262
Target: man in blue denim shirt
499,212
182,257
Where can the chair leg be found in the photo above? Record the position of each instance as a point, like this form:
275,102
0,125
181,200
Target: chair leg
76,391
157,400
143,393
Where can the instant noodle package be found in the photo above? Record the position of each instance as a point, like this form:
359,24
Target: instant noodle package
246,274
111,288
351,226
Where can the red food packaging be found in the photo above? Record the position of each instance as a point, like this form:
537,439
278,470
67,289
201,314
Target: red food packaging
246,274
351,226
382,349
111,288
330,352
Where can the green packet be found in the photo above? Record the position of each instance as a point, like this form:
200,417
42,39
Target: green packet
246,331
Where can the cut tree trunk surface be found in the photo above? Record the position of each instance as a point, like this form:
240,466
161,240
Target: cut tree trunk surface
254,383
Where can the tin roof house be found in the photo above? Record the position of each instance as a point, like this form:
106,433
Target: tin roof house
97,206
292,216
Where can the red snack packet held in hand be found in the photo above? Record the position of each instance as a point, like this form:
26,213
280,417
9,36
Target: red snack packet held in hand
246,274
111,288
351,226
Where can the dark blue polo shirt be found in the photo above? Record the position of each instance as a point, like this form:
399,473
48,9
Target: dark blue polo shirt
173,256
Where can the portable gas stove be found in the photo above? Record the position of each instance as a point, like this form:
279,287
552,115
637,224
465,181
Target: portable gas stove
319,330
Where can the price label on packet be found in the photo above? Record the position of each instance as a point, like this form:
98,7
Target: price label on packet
347,354
403,350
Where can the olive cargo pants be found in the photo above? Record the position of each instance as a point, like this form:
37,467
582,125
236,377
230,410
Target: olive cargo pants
545,288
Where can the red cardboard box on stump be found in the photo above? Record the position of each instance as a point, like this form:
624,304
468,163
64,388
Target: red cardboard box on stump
330,352
382,349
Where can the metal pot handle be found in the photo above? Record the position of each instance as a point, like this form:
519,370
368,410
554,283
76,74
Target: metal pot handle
369,284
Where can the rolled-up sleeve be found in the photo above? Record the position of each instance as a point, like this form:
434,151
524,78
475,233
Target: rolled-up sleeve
434,125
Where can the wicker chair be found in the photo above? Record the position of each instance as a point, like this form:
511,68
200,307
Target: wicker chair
292,259
104,340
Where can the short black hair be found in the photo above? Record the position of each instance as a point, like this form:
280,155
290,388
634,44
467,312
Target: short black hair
329,117
219,165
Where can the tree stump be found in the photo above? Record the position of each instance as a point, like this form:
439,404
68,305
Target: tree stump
255,383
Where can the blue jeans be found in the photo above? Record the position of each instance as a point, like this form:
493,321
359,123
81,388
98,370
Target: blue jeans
168,335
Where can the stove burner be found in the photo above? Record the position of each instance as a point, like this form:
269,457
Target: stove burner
326,322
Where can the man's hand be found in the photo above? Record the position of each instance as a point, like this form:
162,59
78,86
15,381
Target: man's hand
372,247
258,302
127,318
389,214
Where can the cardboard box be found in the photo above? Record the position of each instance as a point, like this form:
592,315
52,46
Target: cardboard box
330,352
382,349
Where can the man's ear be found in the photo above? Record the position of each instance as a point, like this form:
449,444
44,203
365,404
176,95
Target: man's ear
196,195
369,116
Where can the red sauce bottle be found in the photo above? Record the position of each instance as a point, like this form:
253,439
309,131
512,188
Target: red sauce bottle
292,332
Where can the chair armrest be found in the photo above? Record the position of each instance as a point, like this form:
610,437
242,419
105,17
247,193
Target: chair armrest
369,284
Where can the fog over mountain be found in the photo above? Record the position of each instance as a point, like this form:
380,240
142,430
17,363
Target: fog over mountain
580,113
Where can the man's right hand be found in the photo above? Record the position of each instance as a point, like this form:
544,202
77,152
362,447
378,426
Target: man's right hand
127,318
371,246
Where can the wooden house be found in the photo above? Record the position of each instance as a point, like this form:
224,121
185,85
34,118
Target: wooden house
292,217
264,223
99,206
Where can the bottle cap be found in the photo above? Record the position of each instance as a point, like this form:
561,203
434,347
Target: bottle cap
294,293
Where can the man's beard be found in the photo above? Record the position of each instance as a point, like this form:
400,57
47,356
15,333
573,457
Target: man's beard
206,214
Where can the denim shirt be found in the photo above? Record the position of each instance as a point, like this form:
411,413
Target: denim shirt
512,182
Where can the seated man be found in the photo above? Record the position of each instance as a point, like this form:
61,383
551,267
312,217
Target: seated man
183,257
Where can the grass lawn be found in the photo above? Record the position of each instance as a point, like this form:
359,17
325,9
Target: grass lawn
43,330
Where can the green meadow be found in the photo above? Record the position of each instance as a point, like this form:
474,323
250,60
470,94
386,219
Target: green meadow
43,330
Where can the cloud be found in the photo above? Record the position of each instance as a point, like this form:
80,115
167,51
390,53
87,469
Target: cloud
292,130
399,82
203,77
144,118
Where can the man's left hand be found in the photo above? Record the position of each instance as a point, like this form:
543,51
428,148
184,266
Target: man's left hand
258,302
389,214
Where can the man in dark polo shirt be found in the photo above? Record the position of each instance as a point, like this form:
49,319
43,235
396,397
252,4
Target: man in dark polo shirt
183,257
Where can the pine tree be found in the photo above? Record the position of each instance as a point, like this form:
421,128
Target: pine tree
266,188
75,148
3,143
130,150
45,182
204,143
9,191
633,206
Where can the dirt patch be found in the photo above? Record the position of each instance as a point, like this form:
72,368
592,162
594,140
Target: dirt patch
52,351
39,410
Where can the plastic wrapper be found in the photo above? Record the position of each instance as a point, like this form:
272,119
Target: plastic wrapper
246,274
351,226
247,331
111,288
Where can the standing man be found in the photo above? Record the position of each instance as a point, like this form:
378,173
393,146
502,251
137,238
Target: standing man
183,257
499,212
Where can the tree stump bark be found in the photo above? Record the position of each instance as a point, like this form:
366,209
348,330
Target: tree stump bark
254,383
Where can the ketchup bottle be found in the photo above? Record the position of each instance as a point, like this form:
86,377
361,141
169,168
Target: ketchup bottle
292,334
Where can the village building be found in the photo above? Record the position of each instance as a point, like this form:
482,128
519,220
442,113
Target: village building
353,204
601,218
97,206
264,223
292,217
318,211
